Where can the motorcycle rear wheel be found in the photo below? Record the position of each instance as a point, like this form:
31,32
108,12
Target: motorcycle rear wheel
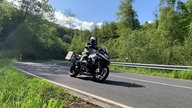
73,72
102,76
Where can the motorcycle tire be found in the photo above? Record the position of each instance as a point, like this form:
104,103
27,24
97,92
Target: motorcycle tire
97,77
73,72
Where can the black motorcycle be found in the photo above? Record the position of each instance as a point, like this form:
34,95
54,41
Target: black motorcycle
95,65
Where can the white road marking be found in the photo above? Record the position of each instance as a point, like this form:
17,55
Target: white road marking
153,82
79,91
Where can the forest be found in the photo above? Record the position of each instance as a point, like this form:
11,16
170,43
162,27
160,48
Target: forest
30,29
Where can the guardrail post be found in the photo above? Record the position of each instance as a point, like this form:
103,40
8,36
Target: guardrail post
20,57
126,59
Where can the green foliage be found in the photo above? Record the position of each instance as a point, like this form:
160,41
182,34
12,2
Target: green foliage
41,9
169,42
165,41
29,34
127,16
168,2
108,30
80,39
188,47
20,91
154,72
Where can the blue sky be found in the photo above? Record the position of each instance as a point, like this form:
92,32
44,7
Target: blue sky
89,12
104,10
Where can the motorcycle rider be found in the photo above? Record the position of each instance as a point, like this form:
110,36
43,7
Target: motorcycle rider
91,47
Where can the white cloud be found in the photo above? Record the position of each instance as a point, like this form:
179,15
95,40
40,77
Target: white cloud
64,21
150,22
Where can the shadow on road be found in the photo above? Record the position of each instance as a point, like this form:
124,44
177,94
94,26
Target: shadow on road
115,83
124,84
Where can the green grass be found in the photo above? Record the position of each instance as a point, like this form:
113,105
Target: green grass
154,72
18,90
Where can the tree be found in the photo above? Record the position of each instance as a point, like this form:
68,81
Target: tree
96,32
77,45
183,18
169,22
168,2
39,8
188,16
29,32
156,22
132,47
108,30
128,16
9,19
188,46
70,17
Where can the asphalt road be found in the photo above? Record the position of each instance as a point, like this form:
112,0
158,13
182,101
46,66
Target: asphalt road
139,91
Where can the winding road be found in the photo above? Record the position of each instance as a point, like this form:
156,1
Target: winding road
120,89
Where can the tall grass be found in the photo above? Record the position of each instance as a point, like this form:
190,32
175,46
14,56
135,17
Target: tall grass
154,72
18,90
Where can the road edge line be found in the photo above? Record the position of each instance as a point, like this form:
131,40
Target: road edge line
101,99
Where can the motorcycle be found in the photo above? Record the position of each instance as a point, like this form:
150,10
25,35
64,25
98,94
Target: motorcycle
96,65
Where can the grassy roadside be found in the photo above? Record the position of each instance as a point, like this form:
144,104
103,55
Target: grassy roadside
154,72
18,90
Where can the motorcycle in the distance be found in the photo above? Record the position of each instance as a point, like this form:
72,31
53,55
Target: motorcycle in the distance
96,65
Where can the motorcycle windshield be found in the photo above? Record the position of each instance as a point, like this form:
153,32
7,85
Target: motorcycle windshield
105,50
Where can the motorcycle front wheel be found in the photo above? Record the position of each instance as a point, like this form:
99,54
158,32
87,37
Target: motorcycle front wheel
101,76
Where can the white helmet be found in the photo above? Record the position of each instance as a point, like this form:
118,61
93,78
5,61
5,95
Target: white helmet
93,40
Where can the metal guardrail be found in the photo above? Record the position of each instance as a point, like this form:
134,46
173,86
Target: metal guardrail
151,66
